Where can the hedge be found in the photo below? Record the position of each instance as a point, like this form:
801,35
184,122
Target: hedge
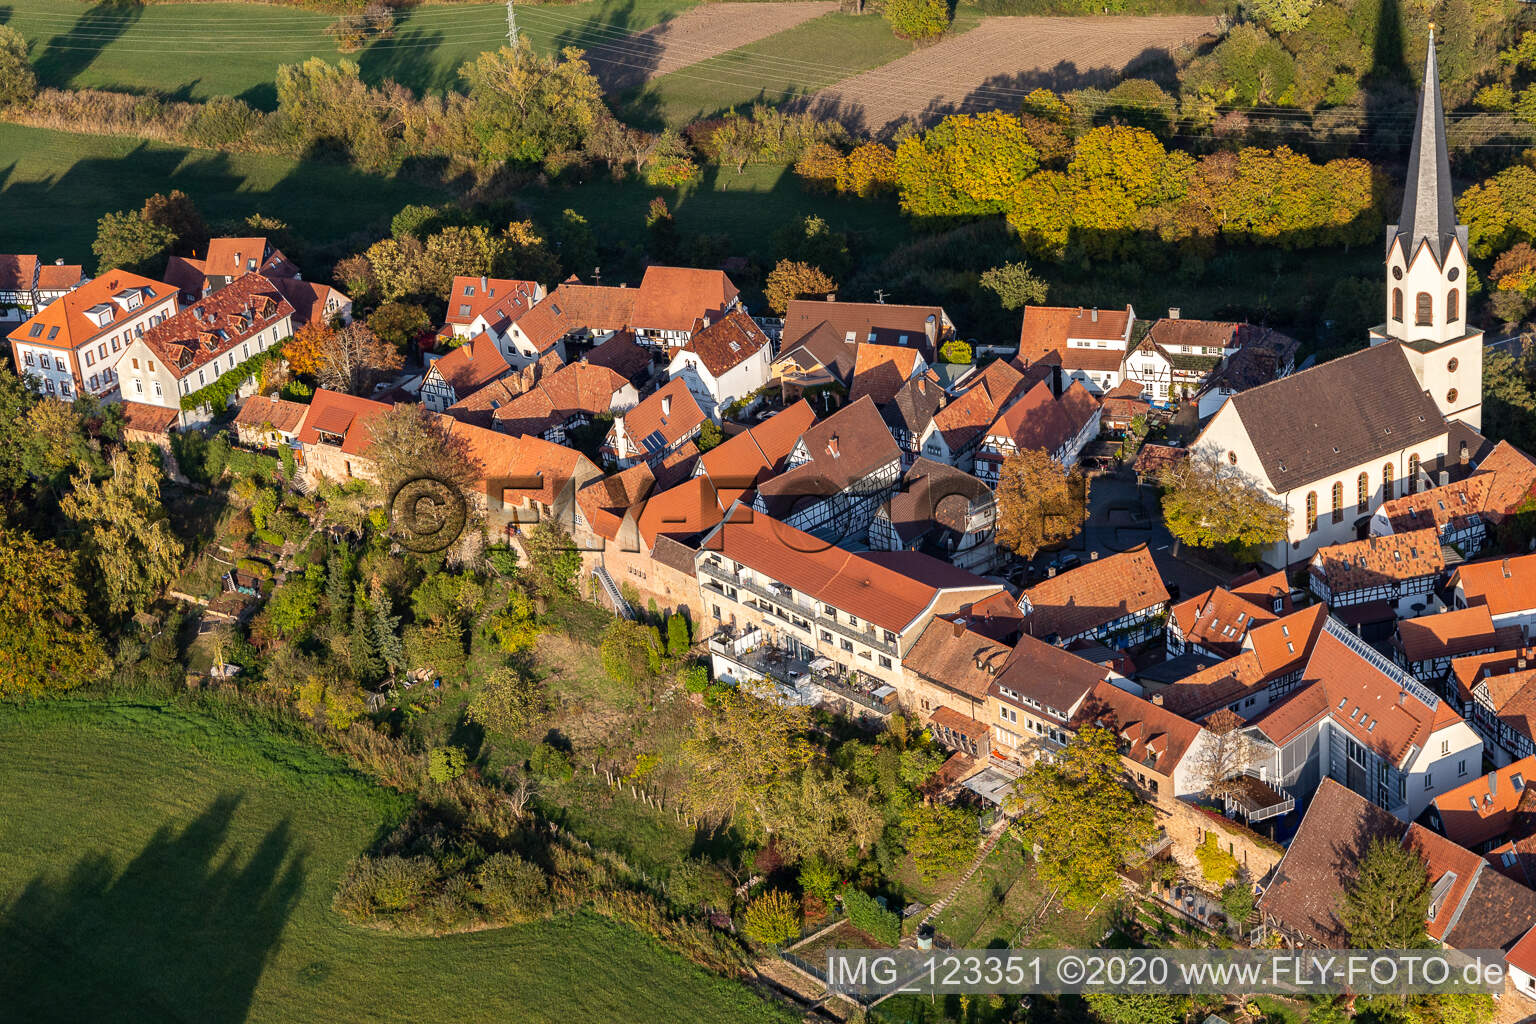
271,537
254,567
217,395
869,917
257,464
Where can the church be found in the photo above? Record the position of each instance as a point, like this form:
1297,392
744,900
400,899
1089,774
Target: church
1333,442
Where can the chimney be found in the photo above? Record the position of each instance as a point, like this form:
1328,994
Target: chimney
931,329
832,448
1093,556
1157,699
706,321
1094,316
959,625
1402,696
1520,664
58,262
1504,567
1173,312
832,296
666,405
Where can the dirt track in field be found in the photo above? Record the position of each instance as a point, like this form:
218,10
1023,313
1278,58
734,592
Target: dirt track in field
698,34
996,63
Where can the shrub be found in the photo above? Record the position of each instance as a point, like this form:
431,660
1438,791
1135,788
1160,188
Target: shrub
955,351
695,679
917,19
254,567
1217,865
222,121
548,762
271,537
772,919
444,764
375,886
869,917
217,395
817,879
511,889
1237,903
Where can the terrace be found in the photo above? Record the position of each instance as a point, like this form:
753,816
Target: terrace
748,656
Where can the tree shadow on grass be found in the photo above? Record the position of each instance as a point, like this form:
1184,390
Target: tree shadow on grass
67,55
182,932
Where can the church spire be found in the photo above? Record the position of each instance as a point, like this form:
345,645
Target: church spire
1428,213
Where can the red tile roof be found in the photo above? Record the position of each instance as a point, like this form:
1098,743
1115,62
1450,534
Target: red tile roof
985,397
605,501
472,365
232,257
283,416
691,507
515,469
727,342
1376,561
501,301
307,298
1505,585
1452,634
63,324
1513,478
670,413
1093,594
149,419
1452,505
1045,329
844,448
742,461
217,324
1218,619
575,390
1151,736
1468,671
1367,696
854,322
58,277
949,654
1263,590
346,415
574,306
852,582
1057,678
673,298
1042,422
879,371
17,273
1453,870
1483,810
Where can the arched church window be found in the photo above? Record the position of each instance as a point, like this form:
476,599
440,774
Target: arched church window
1453,306
1338,501
1363,493
1424,310
1397,304
1412,483
1311,511
1387,491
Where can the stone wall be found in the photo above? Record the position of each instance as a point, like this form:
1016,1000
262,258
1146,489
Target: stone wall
1187,825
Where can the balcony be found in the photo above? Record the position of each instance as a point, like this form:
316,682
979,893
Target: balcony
785,600
1254,800
748,657
864,691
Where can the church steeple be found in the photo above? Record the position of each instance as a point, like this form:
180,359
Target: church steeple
1428,214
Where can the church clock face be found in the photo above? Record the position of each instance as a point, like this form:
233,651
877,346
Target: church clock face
1397,273
1453,273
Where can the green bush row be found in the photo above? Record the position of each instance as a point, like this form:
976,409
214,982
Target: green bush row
217,395
254,567
869,917
271,537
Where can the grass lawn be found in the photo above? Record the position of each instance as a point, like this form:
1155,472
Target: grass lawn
795,62
197,50
166,864
984,910
67,182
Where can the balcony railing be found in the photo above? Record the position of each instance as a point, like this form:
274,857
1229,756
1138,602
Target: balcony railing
816,611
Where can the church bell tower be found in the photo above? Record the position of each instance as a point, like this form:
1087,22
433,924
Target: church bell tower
1426,265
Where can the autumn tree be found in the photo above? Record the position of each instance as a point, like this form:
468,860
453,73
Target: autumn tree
742,747
507,702
1038,503
1081,817
128,544
399,323
467,251
18,82
125,240
815,813
1014,284
180,216
524,106
47,641
398,267
1385,906
940,838
821,167
411,441
524,255
791,280
1223,757
353,359
868,171
772,919
917,19
303,350
1509,399
1209,502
